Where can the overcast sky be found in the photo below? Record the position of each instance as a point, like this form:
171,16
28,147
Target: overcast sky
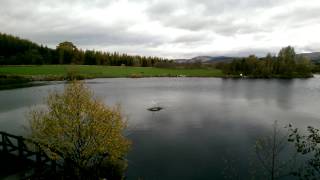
167,28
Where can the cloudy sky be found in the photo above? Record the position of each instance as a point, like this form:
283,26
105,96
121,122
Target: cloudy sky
167,28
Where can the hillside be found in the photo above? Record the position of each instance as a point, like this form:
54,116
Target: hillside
314,56
207,59
18,51
14,50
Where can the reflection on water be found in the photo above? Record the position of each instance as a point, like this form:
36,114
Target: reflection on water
204,120
267,90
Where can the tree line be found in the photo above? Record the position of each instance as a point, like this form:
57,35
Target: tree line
287,64
17,51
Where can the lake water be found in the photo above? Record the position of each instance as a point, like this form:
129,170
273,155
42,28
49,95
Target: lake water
205,121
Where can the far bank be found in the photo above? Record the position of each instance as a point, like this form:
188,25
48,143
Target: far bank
19,74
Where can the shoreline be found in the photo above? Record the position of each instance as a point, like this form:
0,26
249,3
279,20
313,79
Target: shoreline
26,78
12,76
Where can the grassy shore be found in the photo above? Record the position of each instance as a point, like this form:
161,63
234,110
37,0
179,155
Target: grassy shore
59,72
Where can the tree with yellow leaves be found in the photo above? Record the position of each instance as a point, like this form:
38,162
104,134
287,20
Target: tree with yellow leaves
78,128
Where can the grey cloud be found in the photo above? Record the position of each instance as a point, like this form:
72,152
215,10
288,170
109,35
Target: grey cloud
200,21
226,26
161,8
219,13
211,7
93,36
297,17
192,38
55,26
216,16
225,6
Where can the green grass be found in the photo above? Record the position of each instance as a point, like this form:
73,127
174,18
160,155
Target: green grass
54,72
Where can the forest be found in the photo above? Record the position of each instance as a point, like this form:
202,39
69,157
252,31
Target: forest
17,51
286,65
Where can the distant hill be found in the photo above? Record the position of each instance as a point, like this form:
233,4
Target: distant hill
206,59
314,56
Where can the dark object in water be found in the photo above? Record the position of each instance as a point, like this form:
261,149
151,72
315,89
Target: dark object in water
155,108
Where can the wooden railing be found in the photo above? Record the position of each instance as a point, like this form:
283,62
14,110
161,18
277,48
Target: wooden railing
28,150
17,145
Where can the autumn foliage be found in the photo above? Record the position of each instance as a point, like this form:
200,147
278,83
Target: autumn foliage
79,128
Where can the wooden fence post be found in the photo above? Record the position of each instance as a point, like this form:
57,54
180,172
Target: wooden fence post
4,143
20,147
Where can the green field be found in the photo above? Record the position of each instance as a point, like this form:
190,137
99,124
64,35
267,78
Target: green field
55,72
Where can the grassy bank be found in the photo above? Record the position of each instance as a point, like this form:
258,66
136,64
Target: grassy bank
12,81
59,72
272,76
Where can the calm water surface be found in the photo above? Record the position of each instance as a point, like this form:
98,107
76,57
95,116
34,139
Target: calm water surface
205,121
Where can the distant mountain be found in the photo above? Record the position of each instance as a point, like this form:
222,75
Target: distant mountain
206,59
314,56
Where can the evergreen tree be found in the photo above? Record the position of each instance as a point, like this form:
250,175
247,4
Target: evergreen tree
14,50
